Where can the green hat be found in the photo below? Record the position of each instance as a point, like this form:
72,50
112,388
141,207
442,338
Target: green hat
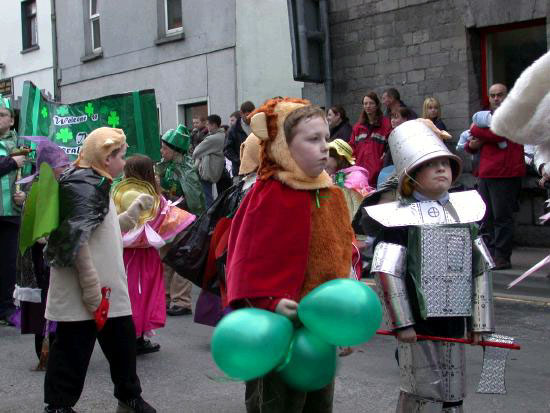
5,103
178,139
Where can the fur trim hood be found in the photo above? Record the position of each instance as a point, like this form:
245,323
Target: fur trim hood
275,159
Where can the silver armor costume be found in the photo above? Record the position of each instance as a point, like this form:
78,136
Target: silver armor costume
388,266
450,285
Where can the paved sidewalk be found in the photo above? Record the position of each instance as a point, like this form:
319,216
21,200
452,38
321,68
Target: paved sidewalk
536,287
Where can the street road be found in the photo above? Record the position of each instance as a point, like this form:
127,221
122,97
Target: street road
182,377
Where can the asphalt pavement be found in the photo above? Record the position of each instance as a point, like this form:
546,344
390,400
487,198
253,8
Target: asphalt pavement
182,377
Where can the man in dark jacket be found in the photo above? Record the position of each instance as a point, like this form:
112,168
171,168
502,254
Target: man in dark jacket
10,208
501,167
237,135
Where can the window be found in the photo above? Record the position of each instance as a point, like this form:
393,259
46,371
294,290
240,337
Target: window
509,49
29,26
172,16
188,112
94,27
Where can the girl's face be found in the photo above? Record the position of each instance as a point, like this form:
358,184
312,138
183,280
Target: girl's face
433,110
434,177
309,146
396,119
333,118
332,165
166,152
369,106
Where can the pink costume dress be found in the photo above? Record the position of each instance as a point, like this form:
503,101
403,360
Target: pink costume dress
144,266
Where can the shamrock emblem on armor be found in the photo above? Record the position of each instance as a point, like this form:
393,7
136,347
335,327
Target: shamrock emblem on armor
44,112
64,135
113,120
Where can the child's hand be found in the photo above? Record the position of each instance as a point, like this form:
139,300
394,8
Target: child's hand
407,335
288,308
475,144
19,160
19,198
476,338
145,201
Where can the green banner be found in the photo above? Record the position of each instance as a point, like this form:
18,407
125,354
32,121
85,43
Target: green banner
68,124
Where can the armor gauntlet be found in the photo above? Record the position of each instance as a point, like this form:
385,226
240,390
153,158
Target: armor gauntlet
483,318
388,267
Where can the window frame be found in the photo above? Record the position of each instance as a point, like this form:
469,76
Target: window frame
93,18
26,26
171,32
485,61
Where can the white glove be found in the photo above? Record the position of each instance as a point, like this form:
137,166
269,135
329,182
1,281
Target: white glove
288,308
128,219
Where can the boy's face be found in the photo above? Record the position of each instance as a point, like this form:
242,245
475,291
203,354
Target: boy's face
396,119
309,146
434,177
212,127
6,121
115,163
166,152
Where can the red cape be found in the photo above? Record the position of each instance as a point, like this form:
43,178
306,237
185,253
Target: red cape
269,242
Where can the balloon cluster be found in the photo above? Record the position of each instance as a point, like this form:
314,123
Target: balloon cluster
249,343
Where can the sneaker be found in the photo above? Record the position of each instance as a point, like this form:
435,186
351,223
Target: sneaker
49,409
177,310
137,405
144,346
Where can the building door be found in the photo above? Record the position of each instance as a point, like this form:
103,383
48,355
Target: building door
509,49
187,112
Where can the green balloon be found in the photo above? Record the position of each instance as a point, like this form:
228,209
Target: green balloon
311,364
342,312
250,342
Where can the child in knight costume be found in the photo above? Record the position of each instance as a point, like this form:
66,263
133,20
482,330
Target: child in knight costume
431,269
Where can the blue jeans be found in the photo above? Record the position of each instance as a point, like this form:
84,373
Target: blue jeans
207,189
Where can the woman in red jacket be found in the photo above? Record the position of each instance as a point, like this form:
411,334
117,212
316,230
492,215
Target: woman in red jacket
369,137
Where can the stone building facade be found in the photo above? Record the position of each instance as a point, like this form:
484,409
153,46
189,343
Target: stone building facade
422,48
450,49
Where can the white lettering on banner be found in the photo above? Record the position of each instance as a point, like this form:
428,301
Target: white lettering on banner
71,150
69,120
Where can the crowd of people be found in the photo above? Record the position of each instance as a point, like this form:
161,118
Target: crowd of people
101,273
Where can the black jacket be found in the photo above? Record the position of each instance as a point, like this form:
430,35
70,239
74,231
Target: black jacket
232,149
341,131
7,164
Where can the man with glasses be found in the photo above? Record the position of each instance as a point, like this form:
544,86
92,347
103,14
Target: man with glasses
10,208
501,167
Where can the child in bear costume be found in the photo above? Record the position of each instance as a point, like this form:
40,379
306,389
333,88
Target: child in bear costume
279,236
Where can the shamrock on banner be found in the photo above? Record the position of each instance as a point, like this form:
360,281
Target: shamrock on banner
68,124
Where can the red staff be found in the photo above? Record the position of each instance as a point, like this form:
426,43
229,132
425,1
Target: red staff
456,340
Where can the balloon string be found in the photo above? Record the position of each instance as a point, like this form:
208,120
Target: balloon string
221,379
288,356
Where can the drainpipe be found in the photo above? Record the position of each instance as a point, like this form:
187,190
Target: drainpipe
56,92
327,61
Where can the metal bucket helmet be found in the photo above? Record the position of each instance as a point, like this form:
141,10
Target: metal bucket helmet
413,143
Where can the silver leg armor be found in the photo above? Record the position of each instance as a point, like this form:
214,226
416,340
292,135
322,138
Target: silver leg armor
409,403
433,370
388,266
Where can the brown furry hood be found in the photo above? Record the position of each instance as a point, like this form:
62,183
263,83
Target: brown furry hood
275,159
